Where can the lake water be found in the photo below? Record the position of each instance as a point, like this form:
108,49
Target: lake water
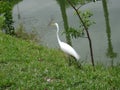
36,14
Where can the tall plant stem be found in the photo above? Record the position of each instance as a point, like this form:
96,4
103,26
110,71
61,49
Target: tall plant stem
86,30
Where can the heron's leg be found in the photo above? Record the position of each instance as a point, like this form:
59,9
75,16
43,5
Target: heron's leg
73,61
78,63
70,60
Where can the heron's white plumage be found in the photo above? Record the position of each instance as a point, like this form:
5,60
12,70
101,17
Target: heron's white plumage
69,50
66,47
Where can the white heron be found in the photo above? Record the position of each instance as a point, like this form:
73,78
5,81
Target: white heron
64,46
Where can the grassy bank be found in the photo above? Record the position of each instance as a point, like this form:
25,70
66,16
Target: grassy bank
28,66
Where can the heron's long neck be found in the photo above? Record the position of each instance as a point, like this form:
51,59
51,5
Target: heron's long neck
58,33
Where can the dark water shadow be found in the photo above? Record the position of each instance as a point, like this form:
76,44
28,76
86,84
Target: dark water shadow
110,53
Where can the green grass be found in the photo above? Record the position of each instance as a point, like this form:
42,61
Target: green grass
25,65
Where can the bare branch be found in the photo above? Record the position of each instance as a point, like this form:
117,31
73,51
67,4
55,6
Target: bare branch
86,29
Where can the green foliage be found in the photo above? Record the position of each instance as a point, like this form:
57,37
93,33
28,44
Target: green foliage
27,66
6,8
12,2
2,21
86,15
76,33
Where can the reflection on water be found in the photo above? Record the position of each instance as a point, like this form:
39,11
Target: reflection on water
65,20
110,52
37,13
